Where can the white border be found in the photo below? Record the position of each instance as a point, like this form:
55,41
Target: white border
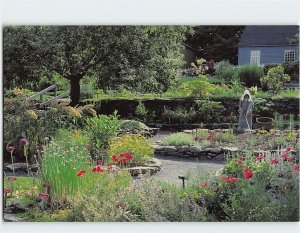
138,12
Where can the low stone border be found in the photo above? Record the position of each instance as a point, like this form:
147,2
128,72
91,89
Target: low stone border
150,167
195,152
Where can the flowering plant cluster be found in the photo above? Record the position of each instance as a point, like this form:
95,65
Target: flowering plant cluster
122,158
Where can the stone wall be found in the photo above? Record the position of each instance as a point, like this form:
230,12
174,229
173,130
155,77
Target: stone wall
126,108
199,152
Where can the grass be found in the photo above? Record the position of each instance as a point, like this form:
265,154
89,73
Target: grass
178,139
24,183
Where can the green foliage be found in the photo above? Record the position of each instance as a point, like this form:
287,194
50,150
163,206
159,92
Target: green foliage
209,111
225,71
179,115
199,87
138,146
275,79
131,125
262,106
141,111
65,157
227,137
139,203
292,69
178,139
250,75
101,130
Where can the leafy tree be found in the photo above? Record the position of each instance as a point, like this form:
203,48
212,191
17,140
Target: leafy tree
216,42
120,56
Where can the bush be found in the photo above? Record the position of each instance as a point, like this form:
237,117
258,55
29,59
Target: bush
292,69
179,115
136,145
146,202
141,111
225,71
199,87
178,139
131,125
250,75
275,79
209,111
101,130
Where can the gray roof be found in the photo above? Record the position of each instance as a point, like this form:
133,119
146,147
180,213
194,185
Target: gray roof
268,35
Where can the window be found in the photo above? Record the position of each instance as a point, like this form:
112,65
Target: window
289,55
255,57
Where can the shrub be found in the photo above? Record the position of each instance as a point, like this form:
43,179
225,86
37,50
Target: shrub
250,75
199,87
101,130
178,139
227,137
131,125
141,111
292,69
146,202
137,145
262,106
275,79
179,115
225,71
209,111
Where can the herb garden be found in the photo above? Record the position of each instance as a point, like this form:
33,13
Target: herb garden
95,146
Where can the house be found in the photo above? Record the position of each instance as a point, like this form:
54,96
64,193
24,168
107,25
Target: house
268,45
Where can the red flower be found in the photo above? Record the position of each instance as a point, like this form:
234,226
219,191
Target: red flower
284,156
239,161
224,178
46,185
43,195
247,173
109,167
210,137
114,158
100,163
290,159
122,155
274,161
81,173
203,185
288,149
232,179
122,160
94,169
260,158
128,156
99,169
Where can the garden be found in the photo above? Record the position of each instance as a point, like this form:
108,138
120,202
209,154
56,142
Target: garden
119,148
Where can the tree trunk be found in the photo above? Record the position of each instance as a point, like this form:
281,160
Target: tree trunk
75,91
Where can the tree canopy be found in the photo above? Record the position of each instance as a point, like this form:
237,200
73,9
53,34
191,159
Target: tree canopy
216,42
140,57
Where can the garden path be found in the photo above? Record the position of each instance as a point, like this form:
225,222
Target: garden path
172,166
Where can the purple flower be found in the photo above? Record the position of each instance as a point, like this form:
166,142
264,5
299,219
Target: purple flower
11,149
23,142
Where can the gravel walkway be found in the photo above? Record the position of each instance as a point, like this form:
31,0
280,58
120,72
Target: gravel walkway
172,167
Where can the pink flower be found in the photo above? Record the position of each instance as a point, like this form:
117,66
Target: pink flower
288,149
23,142
290,159
203,185
239,161
260,158
11,149
232,179
296,168
274,161
284,156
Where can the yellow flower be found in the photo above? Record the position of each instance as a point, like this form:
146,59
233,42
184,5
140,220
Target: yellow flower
31,114
72,112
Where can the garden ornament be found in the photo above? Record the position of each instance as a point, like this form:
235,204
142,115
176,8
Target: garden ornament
245,109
